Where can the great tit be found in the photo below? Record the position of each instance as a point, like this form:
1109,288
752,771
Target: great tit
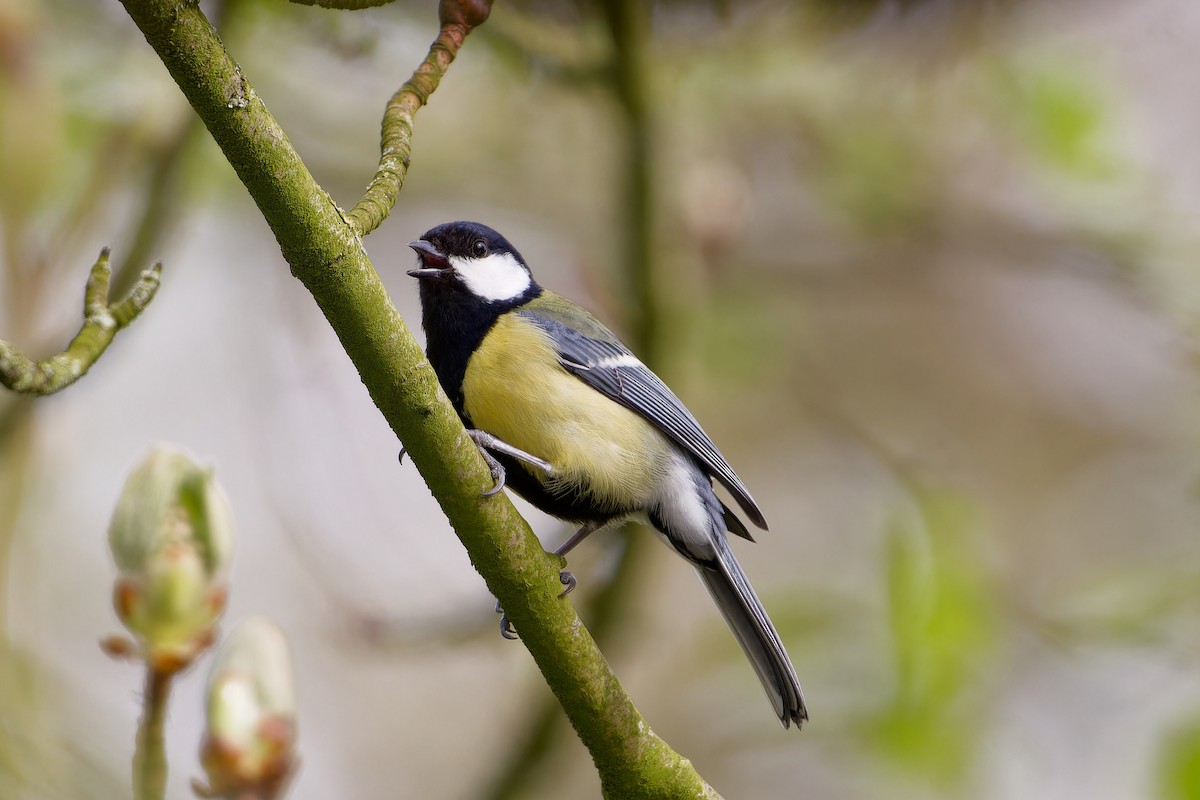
582,429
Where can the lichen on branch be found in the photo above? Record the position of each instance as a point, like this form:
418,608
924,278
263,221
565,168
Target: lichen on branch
101,321
457,18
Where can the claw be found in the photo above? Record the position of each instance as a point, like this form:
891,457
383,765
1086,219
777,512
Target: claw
400,457
497,469
506,628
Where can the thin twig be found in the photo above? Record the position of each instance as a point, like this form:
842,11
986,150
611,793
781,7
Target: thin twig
457,20
150,758
101,322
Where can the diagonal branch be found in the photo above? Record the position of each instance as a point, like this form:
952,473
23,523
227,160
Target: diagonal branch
101,321
324,250
457,20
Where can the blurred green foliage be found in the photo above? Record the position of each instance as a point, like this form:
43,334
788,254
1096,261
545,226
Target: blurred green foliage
1136,605
1179,765
38,758
1063,114
944,635
878,177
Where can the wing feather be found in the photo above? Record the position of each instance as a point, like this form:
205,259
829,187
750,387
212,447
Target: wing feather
599,359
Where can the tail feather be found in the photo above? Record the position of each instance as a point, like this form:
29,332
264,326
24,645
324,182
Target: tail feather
746,617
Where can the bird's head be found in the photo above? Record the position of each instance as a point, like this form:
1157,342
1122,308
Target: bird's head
471,258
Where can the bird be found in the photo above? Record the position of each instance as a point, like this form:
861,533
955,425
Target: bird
571,420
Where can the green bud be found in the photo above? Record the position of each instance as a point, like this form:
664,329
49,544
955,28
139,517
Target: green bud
248,748
171,536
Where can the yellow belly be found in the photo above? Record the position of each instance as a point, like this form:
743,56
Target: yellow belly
597,446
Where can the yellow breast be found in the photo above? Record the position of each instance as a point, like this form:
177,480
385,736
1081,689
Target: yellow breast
515,389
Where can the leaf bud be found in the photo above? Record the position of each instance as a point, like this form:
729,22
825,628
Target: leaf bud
251,713
171,537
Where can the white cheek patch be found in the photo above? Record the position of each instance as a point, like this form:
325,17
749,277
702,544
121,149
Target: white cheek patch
495,277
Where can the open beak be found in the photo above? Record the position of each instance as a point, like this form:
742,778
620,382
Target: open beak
433,263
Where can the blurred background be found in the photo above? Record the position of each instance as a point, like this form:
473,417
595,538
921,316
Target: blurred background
925,271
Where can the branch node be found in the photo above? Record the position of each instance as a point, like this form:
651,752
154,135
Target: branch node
465,14
240,92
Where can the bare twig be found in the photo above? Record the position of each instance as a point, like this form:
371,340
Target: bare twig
101,321
457,20
150,758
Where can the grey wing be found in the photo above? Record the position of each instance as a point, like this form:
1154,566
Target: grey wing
610,368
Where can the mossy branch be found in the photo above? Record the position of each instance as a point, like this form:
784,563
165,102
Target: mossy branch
457,20
324,250
101,321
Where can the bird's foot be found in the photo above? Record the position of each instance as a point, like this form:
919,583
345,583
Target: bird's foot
506,628
486,441
497,469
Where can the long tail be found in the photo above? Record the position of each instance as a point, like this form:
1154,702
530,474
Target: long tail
746,617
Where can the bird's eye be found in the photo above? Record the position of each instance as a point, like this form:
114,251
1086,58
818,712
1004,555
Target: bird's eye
479,248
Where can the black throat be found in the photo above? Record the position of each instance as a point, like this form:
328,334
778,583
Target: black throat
455,322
